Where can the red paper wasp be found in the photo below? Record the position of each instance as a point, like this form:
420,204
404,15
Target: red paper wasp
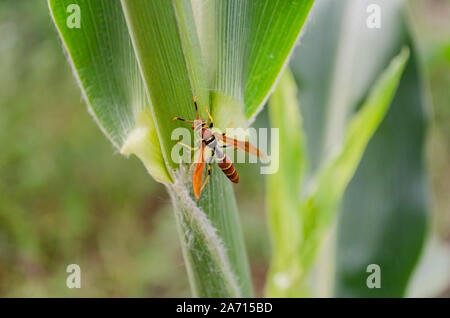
209,139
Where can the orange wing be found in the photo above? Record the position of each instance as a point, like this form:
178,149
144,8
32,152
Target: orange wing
198,172
242,145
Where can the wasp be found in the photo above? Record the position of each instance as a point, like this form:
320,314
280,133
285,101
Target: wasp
209,139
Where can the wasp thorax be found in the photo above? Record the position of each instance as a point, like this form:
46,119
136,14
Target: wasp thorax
198,124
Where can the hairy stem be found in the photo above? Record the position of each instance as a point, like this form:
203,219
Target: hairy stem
211,238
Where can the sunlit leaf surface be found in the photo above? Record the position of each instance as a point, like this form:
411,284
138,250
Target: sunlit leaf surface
140,63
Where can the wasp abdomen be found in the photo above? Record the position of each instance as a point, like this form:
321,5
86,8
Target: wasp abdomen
228,168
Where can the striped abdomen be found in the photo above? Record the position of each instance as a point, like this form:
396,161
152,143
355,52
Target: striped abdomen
227,167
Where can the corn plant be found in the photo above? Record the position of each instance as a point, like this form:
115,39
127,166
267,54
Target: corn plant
139,63
344,91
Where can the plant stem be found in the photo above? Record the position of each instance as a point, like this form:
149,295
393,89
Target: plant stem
211,237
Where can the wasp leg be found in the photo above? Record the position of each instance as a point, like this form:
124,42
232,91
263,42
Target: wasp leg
209,169
207,177
188,147
195,104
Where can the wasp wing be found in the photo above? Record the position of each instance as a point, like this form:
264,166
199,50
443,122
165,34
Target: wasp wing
242,145
198,172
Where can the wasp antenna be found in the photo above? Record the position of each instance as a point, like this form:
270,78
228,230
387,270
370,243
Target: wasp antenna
210,117
182,119
196,107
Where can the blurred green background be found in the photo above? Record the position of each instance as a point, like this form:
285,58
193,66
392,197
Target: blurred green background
67,197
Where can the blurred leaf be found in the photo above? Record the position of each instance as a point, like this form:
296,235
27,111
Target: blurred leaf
334,72
384,218
284,188
334,76
322,201
432,274
313,213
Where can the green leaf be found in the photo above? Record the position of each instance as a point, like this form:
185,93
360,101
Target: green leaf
104,63
165,42
298,224
140,63
244,53
164,38
284,188
136,84
334,69
338,61
383,218
211,238
322,202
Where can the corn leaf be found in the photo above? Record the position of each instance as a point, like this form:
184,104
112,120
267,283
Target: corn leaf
162,34
244,52
140,63
398,199
322,203
284,187
137,71
313,212
105,66
331,58
337,63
